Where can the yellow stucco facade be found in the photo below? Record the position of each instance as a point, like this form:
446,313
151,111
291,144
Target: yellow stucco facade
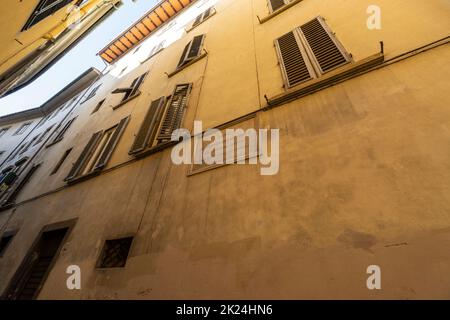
25,45
364,175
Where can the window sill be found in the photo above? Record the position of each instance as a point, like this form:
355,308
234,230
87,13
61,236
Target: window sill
277,12
170,75
341,74
126,101
152,150
83,177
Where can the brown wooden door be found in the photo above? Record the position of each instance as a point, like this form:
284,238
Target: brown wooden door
32,274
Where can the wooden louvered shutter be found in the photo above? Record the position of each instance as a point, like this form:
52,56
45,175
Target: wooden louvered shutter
328,53
175,111
276,4
197,20
111,145
194,51
84,155
66,127
293,60
137,84
149,126
183,56
206,14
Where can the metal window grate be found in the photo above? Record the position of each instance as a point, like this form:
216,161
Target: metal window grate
115,253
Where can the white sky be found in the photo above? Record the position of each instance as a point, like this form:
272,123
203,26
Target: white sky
79,59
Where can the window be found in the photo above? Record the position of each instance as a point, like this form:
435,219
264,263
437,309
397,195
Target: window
22,129
15,152
68,104
137,49
43,120
44,134
3,131
309,51
91,94
29,144
20,185
202,17
62,132
155,50
5,241
97,151
98,106
132,90
274,5
35,267
61,161
163,117
44,9
55,113
115,253
122,71
191,51
7,179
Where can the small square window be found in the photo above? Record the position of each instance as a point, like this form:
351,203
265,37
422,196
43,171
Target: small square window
115,253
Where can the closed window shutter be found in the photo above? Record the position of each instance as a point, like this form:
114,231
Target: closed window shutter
84,155
175,111
149,126
323,45
112,143
294,65
194,51
276,4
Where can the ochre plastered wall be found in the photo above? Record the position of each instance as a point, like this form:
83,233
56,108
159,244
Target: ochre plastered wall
364,176
14,16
